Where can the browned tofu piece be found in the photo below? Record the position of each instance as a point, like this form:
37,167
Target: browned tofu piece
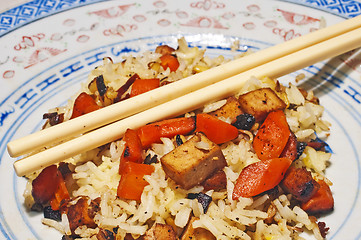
191,233
160,231
229,110
194,161
260,102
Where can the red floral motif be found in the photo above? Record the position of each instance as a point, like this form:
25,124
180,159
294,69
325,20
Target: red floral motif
120,29
112,12
205,22
286,34
42,54
28,42
297,19
207,5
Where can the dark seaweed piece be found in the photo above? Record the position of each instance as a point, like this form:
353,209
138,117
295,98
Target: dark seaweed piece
300,148
245,121
52,214
202,198
178,140
102,89
149,159
54,118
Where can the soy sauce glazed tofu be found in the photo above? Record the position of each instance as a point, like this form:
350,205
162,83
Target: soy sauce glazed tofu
229,170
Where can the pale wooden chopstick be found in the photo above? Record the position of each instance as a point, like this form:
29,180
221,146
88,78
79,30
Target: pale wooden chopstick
191,101
166,93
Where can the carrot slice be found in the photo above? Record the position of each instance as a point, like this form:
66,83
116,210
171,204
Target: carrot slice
132,183
84,104
321,201
133,149
259,177
144,85
169,128
216,130
169,61
272,136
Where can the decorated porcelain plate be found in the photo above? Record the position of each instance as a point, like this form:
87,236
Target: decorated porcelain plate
48,49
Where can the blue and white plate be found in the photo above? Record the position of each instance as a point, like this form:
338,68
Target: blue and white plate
48,48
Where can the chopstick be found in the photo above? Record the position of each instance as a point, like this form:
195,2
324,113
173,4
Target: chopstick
166,93
192,100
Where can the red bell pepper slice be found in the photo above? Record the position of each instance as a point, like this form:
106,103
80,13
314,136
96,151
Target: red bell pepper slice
259,177
132,183
215,129
272,136
144,85
84,104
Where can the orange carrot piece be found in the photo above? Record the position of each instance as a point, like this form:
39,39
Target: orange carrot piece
144,85
259,177
169,61
321,201
169,128
272,136
60,194
83,104
133,149
216,130
132,183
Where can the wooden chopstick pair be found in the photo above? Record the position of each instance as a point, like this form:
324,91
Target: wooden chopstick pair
182,96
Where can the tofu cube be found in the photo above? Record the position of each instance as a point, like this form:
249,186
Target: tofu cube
260,102
230,110
194,161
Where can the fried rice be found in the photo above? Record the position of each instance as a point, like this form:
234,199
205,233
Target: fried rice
274,214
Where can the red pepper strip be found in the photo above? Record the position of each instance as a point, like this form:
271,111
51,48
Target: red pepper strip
133,149
259,177
321,201
169,128
272,136
132,183
144,85
216,130
60,194
84,104
45,185
169,61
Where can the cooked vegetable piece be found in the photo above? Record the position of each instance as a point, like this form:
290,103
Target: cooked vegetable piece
291,149
230,110
81,211
84,104
244,121
164,50
321,201
46,184
132,181
169,61
133,149
102,88
272,136
299,182
125,87
160,231
202,198
144,85
191,233
217,181
261,176
189,165
169,128
216,130
61,193
260,102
